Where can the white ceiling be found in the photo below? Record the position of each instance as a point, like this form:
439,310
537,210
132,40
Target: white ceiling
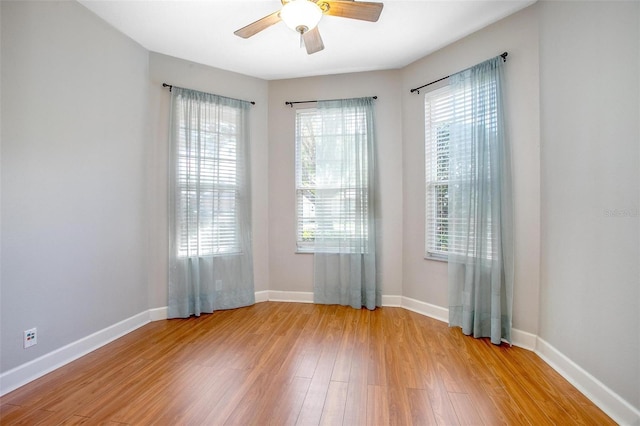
202,32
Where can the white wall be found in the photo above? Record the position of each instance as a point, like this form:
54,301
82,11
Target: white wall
166,69
74,102
590,104
426,280
294,272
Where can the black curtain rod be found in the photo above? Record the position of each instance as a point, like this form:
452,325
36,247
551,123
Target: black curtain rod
417,89
290,103
171,87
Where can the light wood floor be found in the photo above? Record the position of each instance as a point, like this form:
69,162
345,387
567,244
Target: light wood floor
287,363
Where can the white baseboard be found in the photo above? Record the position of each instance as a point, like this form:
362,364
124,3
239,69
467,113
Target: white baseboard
426,309
25,373
290,296
519,338
523,339
392,301
157,314
262,296
610,402
307,297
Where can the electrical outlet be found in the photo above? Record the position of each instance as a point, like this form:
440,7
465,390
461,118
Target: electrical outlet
30,337
218,285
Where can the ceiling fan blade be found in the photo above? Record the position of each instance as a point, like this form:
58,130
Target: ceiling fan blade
261,24
362,10
313,41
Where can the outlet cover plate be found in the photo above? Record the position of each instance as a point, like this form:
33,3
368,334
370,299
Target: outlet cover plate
30,337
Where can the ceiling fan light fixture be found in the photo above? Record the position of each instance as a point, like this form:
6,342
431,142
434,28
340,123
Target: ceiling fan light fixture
301,15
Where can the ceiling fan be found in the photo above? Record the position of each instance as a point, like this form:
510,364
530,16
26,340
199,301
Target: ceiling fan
303,16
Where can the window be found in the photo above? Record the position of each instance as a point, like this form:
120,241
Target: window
308,127
438,115
341,185
441,117
207,179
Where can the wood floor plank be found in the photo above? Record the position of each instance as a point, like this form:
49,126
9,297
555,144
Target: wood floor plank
420,406
7,412
334,404
26,416
258,402
213,396
442,409
355,412
255,385
313,341
356,403
560,391
465,410
506,408
62,418
398,405
75,420
377,371
377,406
287,363
314,401
344,356
73,398
288,406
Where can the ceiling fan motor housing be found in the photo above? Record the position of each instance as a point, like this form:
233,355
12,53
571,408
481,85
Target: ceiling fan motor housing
300,14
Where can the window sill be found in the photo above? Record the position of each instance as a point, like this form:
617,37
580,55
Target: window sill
212,256
436,258
325,252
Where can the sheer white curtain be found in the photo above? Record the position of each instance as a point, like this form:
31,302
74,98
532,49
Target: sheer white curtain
480,206
345,237
210,258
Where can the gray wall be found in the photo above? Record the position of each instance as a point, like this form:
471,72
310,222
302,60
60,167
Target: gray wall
74,102
590,276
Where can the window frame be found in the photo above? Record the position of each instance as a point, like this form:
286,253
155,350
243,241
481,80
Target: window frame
436,94
302,246
431,146
217,130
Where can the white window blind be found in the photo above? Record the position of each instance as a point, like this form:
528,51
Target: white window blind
207,180
308,129
338,186
440,118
